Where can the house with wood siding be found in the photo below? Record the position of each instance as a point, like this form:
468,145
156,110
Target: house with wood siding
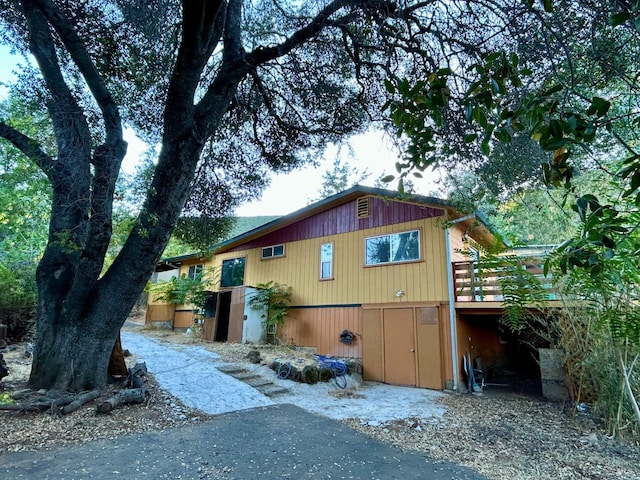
384,267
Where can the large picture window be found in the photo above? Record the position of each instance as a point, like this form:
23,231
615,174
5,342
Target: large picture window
393,248
232,272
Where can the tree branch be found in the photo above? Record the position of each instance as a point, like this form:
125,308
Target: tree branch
77,50
28,146
262,55
236,64
232,32
202,24
42,47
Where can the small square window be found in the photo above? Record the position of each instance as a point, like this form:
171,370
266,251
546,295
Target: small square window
273,251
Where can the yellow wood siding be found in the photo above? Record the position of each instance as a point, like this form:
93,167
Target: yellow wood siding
353,283
183,271
458,245
159,312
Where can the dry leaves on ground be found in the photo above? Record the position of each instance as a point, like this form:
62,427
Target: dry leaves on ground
504,437
43,430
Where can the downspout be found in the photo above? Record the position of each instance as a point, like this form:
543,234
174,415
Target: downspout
452,299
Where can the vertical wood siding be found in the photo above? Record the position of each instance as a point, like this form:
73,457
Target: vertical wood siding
458,245
321,328
183,319
343,219
389,332
159,312
353,283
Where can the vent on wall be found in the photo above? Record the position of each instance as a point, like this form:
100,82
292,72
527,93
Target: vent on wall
362,207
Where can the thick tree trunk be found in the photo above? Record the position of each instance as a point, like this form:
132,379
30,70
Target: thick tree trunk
80,311
74,343
71,357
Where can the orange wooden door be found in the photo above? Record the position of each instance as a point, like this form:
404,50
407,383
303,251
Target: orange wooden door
372,347
399,346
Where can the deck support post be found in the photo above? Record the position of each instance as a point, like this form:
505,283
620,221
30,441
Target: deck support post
452,301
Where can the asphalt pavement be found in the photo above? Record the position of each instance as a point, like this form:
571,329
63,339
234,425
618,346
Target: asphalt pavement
259,440
274,442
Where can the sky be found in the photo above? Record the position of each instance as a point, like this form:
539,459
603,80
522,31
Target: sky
371,151
286,193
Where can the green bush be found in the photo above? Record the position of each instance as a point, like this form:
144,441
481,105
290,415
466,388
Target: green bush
273,298
18,285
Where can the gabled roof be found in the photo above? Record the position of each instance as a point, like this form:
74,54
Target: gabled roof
476,221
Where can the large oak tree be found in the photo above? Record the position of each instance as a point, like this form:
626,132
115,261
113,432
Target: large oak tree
228,90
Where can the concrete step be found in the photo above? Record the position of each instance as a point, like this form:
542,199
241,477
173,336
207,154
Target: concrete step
245,377
233,370
264,386
258,382
273,392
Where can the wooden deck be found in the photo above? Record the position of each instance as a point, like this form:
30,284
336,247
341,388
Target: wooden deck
490,283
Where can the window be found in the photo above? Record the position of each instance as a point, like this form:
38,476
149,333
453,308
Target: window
326,261
273,252
232,272
195,271
393,248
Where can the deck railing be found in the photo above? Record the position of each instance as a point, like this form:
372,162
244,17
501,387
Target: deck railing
492,282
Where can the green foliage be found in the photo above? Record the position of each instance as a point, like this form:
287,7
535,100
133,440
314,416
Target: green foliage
25,200
603,369
610,299
607,365
274,299
534,217
185,290
238,225
341,177
244,224
584,107
18,285
418,113
5,399
201,233
521,285
612,292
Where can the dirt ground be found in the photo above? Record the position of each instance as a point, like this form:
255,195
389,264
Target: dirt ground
501,436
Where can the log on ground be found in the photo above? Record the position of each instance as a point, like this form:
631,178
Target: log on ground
131,395
80,400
